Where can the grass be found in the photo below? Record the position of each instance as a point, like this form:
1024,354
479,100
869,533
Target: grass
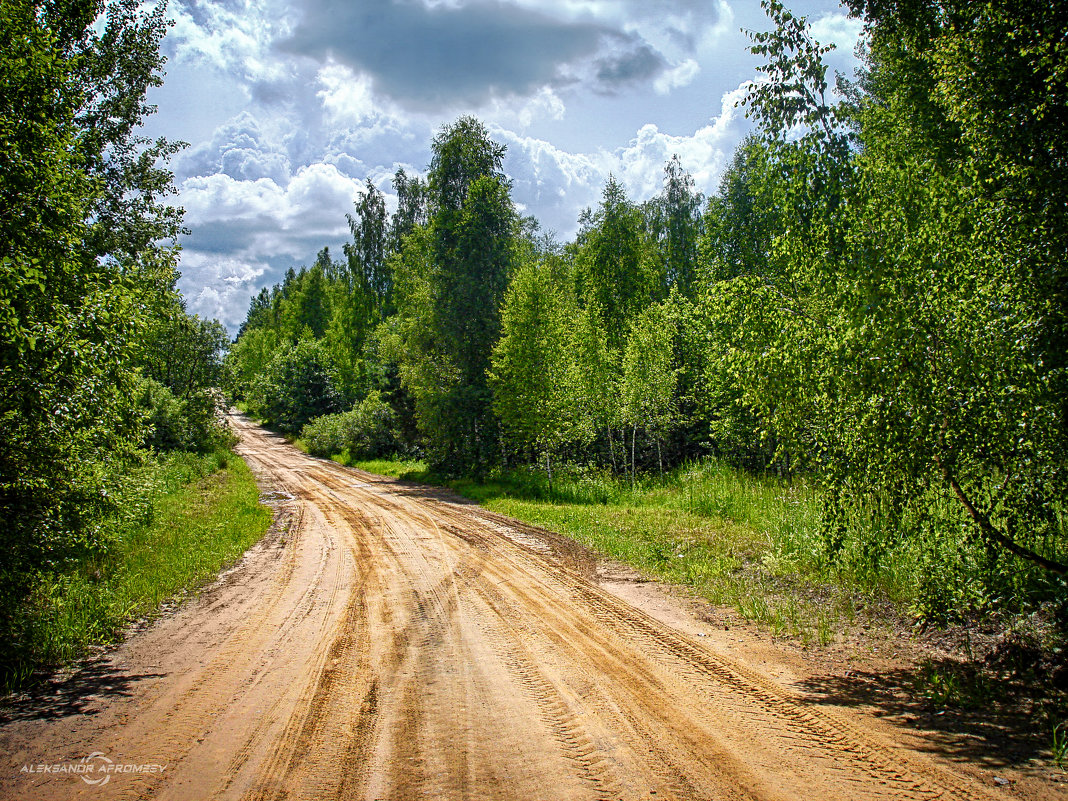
733,538
962,685
203,512
1059,745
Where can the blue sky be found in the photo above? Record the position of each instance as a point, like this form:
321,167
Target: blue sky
288,106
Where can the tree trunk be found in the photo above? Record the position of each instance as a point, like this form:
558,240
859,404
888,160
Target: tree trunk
633,439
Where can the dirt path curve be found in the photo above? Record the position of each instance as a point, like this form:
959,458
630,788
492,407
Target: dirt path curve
395,643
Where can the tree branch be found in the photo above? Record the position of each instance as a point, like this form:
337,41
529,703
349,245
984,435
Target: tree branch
991,532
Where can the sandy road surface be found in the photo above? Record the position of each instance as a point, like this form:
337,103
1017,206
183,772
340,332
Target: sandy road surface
394,643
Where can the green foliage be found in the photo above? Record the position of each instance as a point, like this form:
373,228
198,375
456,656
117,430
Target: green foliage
902,330
1059,744
614,274
961,685
189,423
87,274
365,432
676,225
182,521
451,278
648,381
534,372
298,384
368,263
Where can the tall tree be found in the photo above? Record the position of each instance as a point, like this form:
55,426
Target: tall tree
411,208
614,274
648,381
918,279
451,279
533,373
367,254
677,223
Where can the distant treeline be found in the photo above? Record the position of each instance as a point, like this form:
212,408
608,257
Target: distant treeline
877,296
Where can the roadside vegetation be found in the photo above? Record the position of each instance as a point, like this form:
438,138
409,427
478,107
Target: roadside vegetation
184,518
872,308
110,435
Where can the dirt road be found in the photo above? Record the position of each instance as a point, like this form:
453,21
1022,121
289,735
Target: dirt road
395,643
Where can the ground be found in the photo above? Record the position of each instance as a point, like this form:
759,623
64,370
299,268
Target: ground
393,641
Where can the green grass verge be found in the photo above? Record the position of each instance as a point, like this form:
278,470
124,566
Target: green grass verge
198,515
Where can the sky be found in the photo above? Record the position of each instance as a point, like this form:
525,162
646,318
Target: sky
290,106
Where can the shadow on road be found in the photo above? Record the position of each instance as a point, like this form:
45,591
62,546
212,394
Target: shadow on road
965,711
80,693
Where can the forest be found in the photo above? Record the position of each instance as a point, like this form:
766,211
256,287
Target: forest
875,301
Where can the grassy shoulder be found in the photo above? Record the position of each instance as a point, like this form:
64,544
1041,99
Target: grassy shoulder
193,515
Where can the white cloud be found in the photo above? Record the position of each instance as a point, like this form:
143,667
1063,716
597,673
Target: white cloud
558,184
243,230
545,105
261,215
236,40
347,97
837,29
555,183
703,154
220,287
678,76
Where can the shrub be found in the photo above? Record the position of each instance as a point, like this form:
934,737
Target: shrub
299,384
366,431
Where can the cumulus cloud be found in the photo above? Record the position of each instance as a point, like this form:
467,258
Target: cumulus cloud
678,76
220,287
545,105
704,153
555,182
838,29
844,33
245,232
239,149
559,184
260,213
232,36
446,54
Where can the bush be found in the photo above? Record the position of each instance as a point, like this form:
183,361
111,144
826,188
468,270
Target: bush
181,424
365,432
299,384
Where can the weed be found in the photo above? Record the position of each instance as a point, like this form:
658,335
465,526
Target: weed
1060,744
964,685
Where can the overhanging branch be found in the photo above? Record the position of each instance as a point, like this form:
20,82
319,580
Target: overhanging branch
991,532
